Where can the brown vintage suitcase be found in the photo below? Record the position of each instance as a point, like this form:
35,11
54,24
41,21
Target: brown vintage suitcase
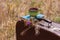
30,34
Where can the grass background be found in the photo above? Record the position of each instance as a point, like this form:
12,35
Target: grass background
11,10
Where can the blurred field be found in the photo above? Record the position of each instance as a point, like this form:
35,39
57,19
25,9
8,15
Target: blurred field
11,10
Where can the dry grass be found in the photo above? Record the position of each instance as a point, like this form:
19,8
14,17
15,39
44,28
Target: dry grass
10,11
